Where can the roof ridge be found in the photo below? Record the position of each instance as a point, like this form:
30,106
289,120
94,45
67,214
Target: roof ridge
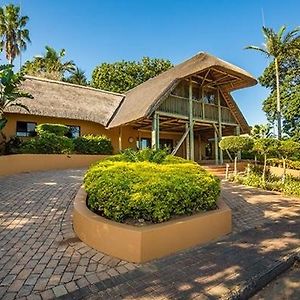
72,84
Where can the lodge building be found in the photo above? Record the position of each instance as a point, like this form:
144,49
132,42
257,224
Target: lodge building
187,109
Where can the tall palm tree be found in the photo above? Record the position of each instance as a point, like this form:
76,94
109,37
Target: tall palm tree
278,45
77,77
50,65
14,35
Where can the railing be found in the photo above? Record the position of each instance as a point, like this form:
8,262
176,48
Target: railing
180,106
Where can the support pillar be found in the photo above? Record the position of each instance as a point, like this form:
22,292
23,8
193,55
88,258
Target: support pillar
187,143
191,122
220,126
155,132
120,139
238,132
216,148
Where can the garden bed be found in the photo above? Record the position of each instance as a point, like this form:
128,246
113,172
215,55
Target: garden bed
141,244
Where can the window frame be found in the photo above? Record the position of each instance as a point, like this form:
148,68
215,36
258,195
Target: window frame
26,133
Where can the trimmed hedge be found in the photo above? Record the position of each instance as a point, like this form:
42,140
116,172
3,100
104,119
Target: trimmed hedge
121,190
290,164
47,143
57,129
91,144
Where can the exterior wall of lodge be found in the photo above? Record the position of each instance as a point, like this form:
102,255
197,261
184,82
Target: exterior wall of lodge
130,136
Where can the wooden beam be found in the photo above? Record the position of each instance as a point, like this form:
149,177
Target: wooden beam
191,122
187,142
180,142
220,126
120,138
216,148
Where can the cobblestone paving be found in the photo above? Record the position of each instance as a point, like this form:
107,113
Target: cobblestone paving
39,254
40,257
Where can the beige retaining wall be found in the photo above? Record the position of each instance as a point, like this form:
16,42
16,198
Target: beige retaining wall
279,172
18,163
141,244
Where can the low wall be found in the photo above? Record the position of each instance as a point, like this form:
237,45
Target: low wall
279,172
18,163
141,244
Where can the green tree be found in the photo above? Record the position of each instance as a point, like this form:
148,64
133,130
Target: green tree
50,65
287,149
266,147
277,46
125,75
289,70
10,93
235,144
13,31
77,77
261,131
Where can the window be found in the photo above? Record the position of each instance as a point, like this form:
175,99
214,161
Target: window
145,143
74,131
210,97
25,129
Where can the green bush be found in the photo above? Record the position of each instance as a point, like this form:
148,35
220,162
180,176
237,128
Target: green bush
290,164
48,143
91,144
122,190
236,143
156,156
57,129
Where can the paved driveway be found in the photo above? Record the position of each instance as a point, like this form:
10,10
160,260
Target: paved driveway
41,258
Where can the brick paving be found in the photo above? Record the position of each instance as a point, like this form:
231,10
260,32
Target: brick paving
39,253
40,257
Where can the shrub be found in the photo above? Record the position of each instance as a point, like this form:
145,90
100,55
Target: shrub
57,129
48,143
147,154
122,190
291,164
91,144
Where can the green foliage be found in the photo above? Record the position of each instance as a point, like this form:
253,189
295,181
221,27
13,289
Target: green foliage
236,143
50,65
48,143
266,146
13,145
91,144
147,154
57,129
259,131
125,75
13,32
291,186
77,77
10,92
288,148
122,190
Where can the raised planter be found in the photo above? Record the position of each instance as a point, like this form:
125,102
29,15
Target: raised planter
18,163
141,244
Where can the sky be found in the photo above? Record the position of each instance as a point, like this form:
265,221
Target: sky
97,31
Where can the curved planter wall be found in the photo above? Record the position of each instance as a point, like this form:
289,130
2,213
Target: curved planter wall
17,163
141,244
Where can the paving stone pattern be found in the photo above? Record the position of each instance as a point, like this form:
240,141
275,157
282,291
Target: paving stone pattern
41,258
39,253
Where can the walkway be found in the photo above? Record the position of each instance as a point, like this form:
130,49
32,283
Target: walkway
41,258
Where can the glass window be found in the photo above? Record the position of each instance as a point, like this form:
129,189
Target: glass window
74,131
25,129
145,143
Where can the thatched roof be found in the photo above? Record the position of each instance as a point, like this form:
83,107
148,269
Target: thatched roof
65,100
141,101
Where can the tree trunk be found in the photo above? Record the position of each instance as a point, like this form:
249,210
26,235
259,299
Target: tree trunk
278,99
235,165
284,170
265,168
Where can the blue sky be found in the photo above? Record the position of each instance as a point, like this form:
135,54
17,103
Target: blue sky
94,31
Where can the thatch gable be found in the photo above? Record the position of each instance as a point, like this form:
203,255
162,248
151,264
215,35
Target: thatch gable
65,100
141,101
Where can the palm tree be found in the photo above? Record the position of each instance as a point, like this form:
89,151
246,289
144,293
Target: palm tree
14,35
50,65
279,45
10,92
77,77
